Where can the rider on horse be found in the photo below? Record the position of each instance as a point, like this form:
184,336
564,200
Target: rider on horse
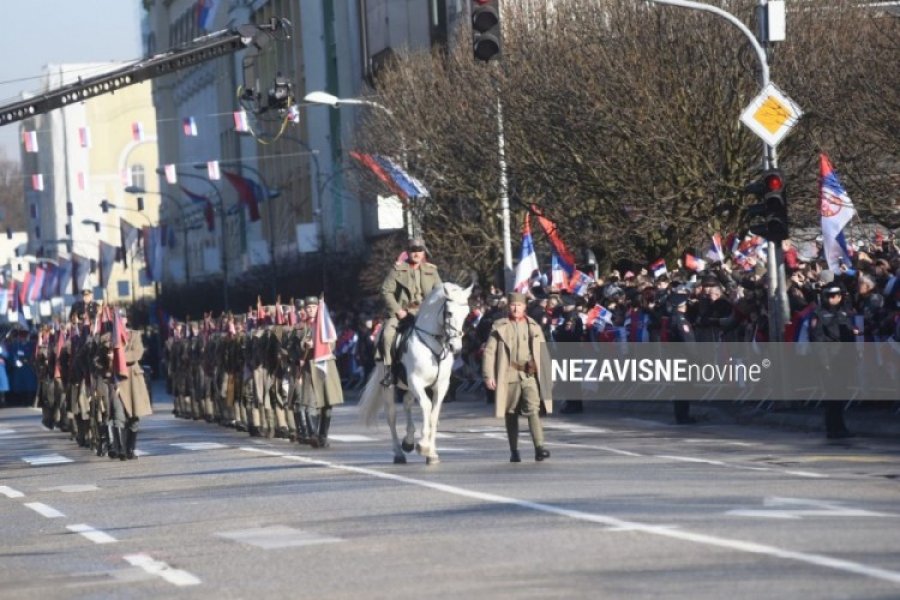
403,290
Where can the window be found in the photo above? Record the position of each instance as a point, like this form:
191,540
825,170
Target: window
124,287
138,177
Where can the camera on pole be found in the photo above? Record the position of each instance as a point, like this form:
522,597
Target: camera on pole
486,38
772,193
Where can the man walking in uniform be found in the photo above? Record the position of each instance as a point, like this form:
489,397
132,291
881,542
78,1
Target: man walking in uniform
832,324
511,367
321,383
403,290
681,330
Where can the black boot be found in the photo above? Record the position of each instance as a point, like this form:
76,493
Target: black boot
131,441
123,442
103,440
80,430
116,448
324,425
512,434
302,432
540,453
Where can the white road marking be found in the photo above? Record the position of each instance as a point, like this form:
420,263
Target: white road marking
95,535
261,451
658,530
797,508
277,536
46,459
594,447
7,431
200,445
71,489
351,437
9,492
692,459
44,510
807,474
157,567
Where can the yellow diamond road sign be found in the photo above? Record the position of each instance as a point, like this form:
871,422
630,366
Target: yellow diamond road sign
771,115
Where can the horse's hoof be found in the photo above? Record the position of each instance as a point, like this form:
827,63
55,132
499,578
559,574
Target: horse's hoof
407,446
432,460
399,460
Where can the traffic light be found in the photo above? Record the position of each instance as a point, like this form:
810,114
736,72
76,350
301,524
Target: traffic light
104,206
772,209
486,38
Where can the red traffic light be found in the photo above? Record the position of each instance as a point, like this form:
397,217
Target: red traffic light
774,182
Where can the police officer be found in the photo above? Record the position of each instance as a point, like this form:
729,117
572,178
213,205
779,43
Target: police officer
402,291
681,331
832,324
511,368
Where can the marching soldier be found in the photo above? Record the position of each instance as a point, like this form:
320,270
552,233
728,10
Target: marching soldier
511,367
402,291
132,391
321,388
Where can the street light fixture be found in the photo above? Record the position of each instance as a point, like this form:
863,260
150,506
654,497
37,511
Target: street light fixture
326,99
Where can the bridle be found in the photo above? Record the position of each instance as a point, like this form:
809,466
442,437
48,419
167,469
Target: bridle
449,332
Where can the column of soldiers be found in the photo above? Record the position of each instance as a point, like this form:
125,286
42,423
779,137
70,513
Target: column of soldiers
255,373
90,380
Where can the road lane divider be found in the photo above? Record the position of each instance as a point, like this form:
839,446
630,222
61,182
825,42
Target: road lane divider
44,510
95,535
9,492
149,564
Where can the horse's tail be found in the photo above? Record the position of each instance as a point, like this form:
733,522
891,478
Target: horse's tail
372,398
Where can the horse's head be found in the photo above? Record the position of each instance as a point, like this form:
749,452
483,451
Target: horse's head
456,308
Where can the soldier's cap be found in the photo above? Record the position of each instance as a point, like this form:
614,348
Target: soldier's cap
416,245
832,290
86,291
517,298
311,300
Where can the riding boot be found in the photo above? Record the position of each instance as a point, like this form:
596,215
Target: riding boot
311,438
512,434
270,423
130,444
281,429
324,425
253,426
123,442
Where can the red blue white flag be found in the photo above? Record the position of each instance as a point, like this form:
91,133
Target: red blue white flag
171,174
212,169
241,124
837,210
528,262
37,182
658,268
137,131
84,137
693,263
29,138
189,124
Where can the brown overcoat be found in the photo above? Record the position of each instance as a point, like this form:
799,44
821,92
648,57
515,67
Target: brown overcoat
495,364
133,389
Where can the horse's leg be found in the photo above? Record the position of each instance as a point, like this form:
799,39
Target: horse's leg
409,442
425,447
390,410
440,391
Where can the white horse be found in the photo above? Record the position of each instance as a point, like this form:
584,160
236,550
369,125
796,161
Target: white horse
435,338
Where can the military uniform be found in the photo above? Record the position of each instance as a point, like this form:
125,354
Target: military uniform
321,388
681,331
512,360
404,288
133,394
832,324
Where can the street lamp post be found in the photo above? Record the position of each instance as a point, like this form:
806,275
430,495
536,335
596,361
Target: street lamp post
221,208
777,288
326,99
185,228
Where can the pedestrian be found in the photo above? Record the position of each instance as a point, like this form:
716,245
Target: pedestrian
681,331
832,325
511,368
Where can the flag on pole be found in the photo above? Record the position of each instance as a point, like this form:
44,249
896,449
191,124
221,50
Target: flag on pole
241,124
528,262
837,209
212,168
565,258
209,214
325,335
37,285
84,137
579,283
658,268
119,340
205,13
249,192
189,124
29,138
558,277
37,182
372,165
411,186
137,131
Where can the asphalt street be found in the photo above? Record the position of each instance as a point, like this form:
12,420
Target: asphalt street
624,508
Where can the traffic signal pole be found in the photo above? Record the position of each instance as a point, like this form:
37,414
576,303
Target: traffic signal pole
777,294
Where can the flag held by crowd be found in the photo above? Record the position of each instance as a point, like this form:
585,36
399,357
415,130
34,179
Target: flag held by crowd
528,262
658,268
837,210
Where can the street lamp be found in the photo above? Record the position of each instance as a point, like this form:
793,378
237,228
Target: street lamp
221,209
326,99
